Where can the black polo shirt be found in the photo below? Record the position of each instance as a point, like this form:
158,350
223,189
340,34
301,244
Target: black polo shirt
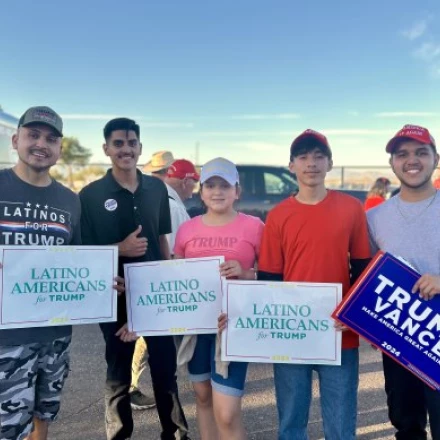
110,213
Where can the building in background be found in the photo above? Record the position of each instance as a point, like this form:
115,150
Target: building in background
8,126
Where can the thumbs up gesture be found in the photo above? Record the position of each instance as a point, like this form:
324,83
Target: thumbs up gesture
133,245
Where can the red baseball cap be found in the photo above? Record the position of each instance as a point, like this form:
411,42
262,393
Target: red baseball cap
311,134
419,134
182,169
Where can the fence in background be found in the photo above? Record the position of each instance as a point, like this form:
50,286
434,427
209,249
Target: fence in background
346,177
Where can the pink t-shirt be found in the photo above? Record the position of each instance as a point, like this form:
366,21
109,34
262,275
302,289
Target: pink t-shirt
238,240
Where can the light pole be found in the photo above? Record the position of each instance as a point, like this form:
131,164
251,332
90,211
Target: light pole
197,151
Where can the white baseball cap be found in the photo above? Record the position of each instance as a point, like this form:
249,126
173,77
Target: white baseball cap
220,167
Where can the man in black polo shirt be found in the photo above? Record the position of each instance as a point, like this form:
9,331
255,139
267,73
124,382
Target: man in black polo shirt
131,209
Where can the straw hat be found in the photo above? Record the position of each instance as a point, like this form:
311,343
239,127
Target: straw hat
159,161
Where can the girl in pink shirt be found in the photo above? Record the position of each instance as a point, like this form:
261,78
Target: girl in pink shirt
221,231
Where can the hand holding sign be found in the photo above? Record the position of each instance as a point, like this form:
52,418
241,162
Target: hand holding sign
231,269
427,285
340,327
125,335
119,285
133,245
222,322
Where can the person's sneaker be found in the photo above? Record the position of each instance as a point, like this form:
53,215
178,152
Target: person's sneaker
140,401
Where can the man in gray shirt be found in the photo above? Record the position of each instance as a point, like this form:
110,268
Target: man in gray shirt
35,210
407,226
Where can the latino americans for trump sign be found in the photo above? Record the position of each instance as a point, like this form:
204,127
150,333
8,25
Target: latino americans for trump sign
44,286
174,296
281,322
381,308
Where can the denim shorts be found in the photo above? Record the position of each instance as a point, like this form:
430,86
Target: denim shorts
202,367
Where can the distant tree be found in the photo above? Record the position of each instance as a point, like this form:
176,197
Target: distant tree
57,174
88,174
73,153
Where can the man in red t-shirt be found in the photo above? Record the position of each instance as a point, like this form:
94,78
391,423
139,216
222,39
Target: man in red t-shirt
315,236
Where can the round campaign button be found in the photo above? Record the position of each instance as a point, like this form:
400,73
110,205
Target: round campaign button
110,204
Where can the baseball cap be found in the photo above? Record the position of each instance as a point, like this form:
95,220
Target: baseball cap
415,132
159,161
182,169
314,135
42,115
219,167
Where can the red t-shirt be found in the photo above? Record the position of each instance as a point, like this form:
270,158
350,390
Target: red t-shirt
313,243
373,201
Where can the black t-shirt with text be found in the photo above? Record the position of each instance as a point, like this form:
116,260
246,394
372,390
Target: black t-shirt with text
43,216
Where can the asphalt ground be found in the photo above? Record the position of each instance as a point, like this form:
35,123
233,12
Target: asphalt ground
82,410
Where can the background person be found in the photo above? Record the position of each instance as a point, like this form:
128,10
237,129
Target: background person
378,193
158,165
180,180
436,183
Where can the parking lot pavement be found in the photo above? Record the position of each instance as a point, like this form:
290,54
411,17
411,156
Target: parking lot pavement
82,410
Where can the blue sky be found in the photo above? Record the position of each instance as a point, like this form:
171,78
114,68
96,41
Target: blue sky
241,78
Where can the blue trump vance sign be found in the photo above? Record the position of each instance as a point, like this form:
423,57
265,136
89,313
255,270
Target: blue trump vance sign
381,308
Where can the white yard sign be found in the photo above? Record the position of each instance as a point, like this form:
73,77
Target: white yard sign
57,285
174,296
281,322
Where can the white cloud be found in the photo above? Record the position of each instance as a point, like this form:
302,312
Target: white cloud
258,146
435,70
353,113
142,120
293,133
426,48
352,132
158,124
258,117
88,117
407,114
348,142
239,133
416,30
427,51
